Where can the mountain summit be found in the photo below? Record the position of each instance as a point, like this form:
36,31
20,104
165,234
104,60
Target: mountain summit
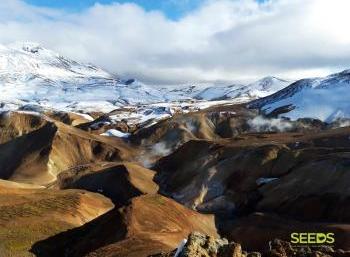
25,62
326,99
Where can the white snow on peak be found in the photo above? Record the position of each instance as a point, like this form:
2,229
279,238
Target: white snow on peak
21,60
267,86
326,99
244,93
32,75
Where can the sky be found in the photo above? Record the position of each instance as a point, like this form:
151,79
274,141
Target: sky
173,9
181,41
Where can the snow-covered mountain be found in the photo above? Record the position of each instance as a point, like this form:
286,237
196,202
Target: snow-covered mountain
25,62
244,93
327,99
34,76
31,74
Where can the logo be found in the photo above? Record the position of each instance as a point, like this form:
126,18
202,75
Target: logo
312,238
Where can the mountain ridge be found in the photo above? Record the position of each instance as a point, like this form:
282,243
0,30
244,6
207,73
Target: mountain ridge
31,74
300,99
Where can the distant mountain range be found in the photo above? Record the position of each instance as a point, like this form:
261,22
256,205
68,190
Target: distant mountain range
33,75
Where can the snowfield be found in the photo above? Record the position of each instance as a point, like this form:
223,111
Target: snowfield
326,99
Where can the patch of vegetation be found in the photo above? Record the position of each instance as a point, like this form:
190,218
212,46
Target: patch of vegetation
38,207
156,199
21,225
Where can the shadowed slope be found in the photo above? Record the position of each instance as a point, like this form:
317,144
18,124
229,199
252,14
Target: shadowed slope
119,182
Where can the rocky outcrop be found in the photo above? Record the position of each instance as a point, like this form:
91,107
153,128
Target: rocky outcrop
199,245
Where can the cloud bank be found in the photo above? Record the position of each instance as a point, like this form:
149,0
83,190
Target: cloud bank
221,40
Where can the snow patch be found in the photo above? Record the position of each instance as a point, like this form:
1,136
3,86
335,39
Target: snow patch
115,133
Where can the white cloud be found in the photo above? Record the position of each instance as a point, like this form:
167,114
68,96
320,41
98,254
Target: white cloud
221,40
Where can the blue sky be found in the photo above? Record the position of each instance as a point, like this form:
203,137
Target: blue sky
171,8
